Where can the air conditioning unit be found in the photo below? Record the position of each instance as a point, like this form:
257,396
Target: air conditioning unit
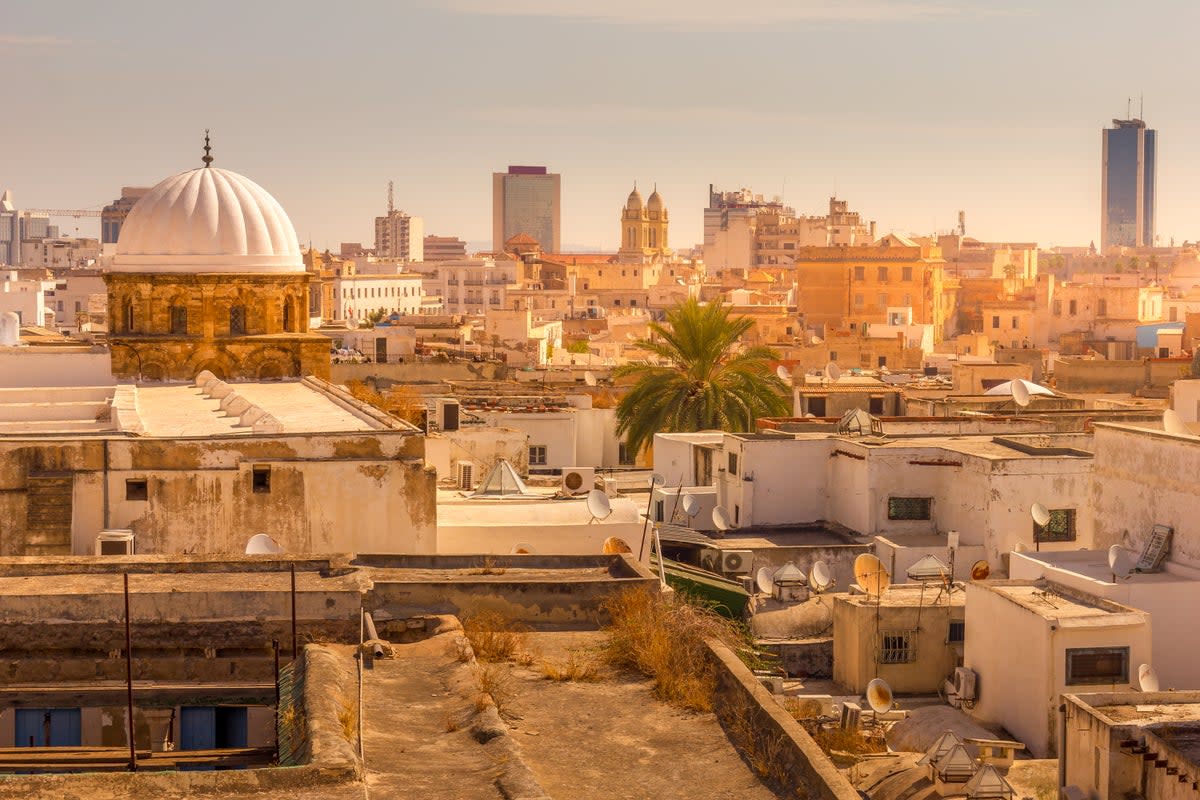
578,480
737,562
851,716
466,475
964,683
117,542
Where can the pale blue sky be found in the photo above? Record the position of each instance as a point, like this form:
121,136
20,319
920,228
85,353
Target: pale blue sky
911,110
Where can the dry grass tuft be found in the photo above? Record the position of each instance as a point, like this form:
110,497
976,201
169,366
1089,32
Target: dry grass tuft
662,636
450,722
348,718
833,737
579,665
495,684
488,567
495,637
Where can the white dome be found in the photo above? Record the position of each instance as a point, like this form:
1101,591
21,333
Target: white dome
207,220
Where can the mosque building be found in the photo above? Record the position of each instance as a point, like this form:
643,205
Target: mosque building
208,275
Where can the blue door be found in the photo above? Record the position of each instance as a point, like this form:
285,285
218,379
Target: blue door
48,727
212,727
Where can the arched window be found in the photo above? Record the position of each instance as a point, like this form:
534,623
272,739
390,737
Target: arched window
129,316
287,314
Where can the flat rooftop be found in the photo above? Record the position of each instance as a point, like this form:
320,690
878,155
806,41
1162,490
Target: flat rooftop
911,595
1067,608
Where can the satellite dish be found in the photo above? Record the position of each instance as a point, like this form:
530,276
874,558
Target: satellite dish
871,574
833,371
1120,562
614,545
598,505
656,480
720,518
589,378
765,581
1172,423
1040,515
522,549
784,374
879,696
980,570
819,577
690,505
1021,547
1020,393
262,545
1147,678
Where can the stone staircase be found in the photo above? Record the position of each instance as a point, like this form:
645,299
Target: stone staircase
48,519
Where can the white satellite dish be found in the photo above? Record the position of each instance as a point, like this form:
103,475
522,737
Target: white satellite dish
879,696
656,480
720,518
1172,423
1020,393
1040,515
1147,678
1120,562
690,505
261,545
589,378
833,371
819,577
765,581
1021,547
598,505
783,373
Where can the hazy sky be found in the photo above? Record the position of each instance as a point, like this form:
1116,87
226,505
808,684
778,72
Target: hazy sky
910,110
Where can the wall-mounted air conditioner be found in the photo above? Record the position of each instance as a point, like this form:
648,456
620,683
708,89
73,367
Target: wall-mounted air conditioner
964,683
578,480
737,562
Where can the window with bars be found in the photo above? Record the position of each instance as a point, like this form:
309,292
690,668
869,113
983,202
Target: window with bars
958,632
537,455
897,647
910,507
1060,528
1106,665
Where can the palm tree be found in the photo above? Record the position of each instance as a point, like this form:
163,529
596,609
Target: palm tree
700,377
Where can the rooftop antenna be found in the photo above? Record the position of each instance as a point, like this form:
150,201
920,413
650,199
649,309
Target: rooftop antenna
656,481
1141,106
208,159
391,200
1128,107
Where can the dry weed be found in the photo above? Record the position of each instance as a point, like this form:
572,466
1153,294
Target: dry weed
832,736
450,723
664,637
348,717
488,567
494,636
495,683
579,665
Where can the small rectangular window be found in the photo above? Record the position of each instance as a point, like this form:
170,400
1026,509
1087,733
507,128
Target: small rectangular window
260,478
537,455
1060,528
1015,322
237,321
897,647
1072,308
906,273
625,456
137,489
658,511
883,274
178,319
860,273
958,632
995,321
1097,665
733,464
910,508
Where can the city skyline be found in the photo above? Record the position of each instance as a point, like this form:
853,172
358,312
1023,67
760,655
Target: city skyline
924,108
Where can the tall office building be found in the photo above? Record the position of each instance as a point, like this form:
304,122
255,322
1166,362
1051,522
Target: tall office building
18,226
527,200
114,214
1127,190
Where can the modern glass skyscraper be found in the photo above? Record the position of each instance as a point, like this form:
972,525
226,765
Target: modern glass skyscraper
1127,191
526,200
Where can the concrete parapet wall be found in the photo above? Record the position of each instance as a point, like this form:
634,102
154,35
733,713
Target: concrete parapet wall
760,726
386,375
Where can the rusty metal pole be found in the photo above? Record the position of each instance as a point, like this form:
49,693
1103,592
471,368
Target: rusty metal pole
294,650
129,679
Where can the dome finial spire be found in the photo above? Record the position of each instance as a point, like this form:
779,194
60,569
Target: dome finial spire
207,150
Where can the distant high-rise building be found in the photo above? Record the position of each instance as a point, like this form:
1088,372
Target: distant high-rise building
527,200
17,226
1127,185
398,235
444,248
112,217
